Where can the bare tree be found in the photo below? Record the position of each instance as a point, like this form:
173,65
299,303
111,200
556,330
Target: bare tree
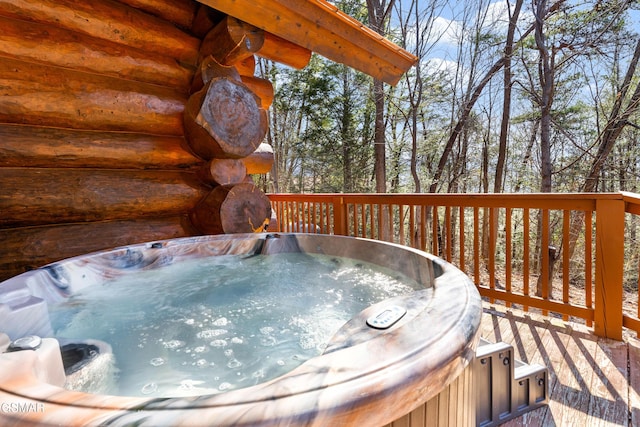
506,101
379,11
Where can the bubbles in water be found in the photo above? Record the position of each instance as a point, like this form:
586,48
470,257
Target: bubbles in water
268,341
234,364
221,328
157,361
149,388
222,321
210,333
173,344
266,330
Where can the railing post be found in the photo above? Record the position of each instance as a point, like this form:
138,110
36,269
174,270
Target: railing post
609,268
339,216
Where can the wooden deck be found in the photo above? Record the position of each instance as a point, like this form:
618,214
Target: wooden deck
593,381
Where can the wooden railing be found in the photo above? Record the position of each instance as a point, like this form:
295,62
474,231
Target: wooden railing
587,271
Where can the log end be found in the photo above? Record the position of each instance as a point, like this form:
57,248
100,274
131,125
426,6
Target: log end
224,120
240,208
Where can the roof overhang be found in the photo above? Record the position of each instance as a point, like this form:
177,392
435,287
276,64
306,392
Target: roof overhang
322,28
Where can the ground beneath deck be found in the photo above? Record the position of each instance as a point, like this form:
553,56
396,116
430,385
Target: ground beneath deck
593,381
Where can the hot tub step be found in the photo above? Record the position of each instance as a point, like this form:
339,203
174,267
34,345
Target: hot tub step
505,387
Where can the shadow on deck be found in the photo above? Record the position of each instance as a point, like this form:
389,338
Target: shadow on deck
592,381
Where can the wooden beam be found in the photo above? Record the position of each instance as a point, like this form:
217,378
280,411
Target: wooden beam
47,147
283,51
49,44
109,20
321,27
36,94
609,268
32,196
180,12
260,161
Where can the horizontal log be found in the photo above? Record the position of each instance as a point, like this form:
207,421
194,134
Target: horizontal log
283,51
109,20
180,12
43,147
205,19
40,95
224,120
241,208
27,248
231,41
262,88
52,45
33,196
260,161
246,67
223,172
209,69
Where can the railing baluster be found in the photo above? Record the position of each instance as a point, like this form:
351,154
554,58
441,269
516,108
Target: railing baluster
401,224
434,231
412,226
391,223
545,270
493,219
507,252
371,221
525,253
461,242
448,234
566,216
476,246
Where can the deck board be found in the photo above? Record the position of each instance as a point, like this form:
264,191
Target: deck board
592,381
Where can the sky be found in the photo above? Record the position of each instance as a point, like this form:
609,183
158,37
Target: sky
448,27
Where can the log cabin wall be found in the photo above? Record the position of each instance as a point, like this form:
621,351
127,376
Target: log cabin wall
92,147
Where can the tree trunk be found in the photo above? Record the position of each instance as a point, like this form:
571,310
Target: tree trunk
378,13
547,83
506,101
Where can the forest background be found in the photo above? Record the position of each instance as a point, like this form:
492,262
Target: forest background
521,96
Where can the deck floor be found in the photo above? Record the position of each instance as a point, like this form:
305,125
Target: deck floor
593,381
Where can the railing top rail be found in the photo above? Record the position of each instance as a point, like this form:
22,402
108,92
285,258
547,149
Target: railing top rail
571,201
632,202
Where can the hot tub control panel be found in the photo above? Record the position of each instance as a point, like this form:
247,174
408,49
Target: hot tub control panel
387,317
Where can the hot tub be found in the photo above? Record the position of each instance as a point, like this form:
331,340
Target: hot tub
405,357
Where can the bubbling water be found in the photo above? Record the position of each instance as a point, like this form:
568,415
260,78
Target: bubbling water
209,325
